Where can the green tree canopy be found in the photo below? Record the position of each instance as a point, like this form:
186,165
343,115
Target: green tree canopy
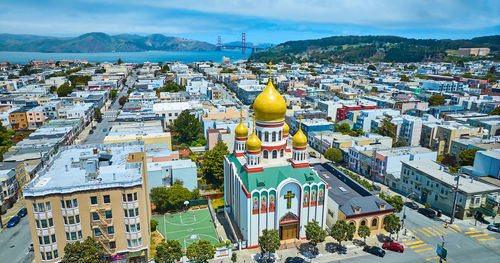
170,198
405,78
234,257
492,70
213,164
187,127
364,232
122,100
392,224
88,251
436,99
467,156
154,224
64,90
496,111
388,129
315,234
97,114
113,94
334,155
169,251
343,128
119,61
269,241
339,231
200,251
395,201
372,67
170,86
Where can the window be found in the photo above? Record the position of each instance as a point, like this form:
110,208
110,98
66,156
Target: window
93,200
71,220
69,204
51,222
95,216
67,236
41,208
124,197
129,197
266,153
275,154
266,136
73,235
273,136
43,255
97,232
77,219
109,214
135,196
131,212
137,212
62,204
125,212
65,220
37,223
128,243
282,152
75,202
127,228
80,235
44,223
46,240
139,241
35,208
49,255
56,254
112,245
138,227
40,241
374,222
107,199
53,237
111,230
134,242
132,228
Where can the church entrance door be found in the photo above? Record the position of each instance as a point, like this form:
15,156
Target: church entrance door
289,225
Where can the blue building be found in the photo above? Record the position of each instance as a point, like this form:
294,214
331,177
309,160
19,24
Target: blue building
164,174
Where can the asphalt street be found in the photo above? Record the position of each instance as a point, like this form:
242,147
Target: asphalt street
14,243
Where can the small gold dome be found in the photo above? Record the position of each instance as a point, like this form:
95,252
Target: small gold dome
269,105
286,129
253,143
299,139
241,130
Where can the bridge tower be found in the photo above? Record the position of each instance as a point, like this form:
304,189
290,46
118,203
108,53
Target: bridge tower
243,43
218,47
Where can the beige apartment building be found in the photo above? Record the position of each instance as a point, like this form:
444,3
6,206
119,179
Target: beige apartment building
438,137
92,190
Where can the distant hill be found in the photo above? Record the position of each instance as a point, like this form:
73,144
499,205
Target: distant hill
100,42
359,49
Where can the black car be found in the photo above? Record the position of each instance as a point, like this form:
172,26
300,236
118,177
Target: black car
294,260
411,205
23,212
375,251
494,227
427,212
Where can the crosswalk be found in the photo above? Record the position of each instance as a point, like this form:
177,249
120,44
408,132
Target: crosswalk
110,114
420,246
435,231
479,235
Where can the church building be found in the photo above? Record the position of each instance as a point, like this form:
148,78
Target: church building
268,183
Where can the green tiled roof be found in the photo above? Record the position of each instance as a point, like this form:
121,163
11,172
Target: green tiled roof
273,176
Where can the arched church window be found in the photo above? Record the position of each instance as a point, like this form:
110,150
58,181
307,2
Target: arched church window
265,154
279,137
266,136
259,134
374,222
282,152
275,154
273,137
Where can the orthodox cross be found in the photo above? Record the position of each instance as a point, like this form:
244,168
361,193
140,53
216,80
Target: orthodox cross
289,195
270,71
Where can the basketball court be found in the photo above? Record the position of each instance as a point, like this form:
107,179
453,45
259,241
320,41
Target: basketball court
187,227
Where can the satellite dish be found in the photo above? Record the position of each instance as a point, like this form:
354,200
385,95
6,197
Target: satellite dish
186,202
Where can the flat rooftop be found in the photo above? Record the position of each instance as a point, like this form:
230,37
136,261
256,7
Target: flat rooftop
67,171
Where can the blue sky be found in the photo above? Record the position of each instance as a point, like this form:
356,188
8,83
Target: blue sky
264,21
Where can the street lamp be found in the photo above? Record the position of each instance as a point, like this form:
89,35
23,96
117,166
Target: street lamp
404,210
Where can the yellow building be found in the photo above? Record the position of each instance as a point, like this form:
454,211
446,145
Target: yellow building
93,190
150,132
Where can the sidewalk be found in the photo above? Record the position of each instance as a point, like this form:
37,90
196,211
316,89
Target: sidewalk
12,211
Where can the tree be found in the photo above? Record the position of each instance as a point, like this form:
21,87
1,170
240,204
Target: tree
119,61
97,114
159,196
315,234
269,241
339,231
168,252
113,94
395,201
213,164
351,229
177,195
154,224
372,67
492,70
405,78
53,89
436,99
343,128
234,257
165,68
467,156
122,100
449,160
200,251
392,224
88,251
364,232
334,155
64,90
401,142
187,127
427,205
496,111
388,129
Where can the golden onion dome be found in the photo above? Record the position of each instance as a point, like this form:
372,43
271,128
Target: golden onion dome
269,105
253,143
241,130
286,129
299,139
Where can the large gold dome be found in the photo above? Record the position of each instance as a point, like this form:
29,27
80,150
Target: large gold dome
269,105
253,143
241,130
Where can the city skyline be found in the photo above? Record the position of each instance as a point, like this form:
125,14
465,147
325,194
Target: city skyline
263,21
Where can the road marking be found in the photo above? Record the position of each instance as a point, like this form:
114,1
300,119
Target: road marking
473,232
442,231
439,234
457,228
485,239
424,249
429,259
414,243
417,246
450,228
429,231
423,233
472,228
479,235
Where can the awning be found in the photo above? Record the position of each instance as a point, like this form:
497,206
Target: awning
485,211
137,254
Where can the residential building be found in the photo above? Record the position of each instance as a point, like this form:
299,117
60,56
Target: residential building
92,190
165,174
13,177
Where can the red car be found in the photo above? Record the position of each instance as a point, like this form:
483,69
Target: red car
394,247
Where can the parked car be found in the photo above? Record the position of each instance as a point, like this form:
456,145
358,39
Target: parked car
30,248
427,212
91,132
376,187
494,227
294,260
375,251
411,205
23,212
13,221
394,246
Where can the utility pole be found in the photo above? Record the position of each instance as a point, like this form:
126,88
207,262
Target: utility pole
454,201
442,250
1,223
374,153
